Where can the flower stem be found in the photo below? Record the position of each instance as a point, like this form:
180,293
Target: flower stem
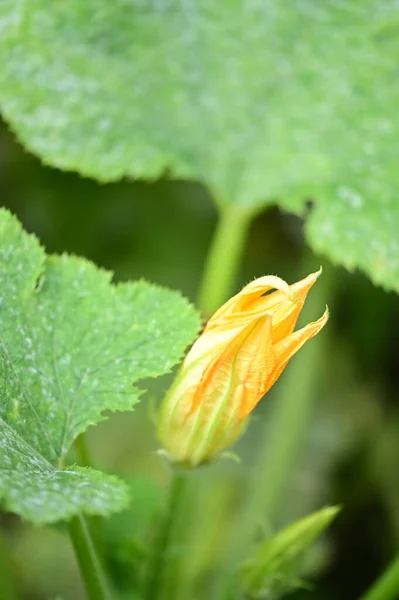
94,523
387,586
158,564
223,258
82,450
86,556
6,573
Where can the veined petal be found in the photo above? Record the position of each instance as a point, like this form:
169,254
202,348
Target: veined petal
285,304
178,400
285,314
243,301
234,383
211,342
276,301
297,293
286,348
247,360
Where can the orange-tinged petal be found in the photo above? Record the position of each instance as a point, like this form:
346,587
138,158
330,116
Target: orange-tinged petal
243,301
290,345
211,343
285,315
274,301
233,382
285,304
248,358
302,287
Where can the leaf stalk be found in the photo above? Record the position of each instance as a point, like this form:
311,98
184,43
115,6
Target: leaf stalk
158,564
223,258
88,561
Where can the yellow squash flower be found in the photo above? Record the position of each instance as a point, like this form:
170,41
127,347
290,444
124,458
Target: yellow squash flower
241,353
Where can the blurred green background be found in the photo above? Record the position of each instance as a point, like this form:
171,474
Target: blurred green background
349,454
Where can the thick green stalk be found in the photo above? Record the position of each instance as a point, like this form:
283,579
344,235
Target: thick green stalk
158,565
387,586
86,556
82,450
224,258
94,523
6,573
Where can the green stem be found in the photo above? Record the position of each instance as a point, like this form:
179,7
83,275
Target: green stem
82,450
6,573
94,523
387,586
86,556
223,258
157,567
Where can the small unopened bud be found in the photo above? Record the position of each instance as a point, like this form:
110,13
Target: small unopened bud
239,356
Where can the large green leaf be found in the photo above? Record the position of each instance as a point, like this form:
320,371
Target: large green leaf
71,346
263,100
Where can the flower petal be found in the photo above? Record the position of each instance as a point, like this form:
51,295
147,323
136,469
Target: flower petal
248,360
285,304
286,315
244,300
286,348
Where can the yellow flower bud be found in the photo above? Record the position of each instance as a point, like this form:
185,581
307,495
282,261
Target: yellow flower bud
241,353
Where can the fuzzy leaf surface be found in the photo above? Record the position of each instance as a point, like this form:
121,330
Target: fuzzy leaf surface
71,346
261,100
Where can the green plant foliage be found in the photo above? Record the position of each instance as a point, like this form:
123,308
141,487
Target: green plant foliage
71,345
263,101
274,567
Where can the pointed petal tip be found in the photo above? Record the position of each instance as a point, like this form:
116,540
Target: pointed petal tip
316,274
319,324
301,288
313,328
